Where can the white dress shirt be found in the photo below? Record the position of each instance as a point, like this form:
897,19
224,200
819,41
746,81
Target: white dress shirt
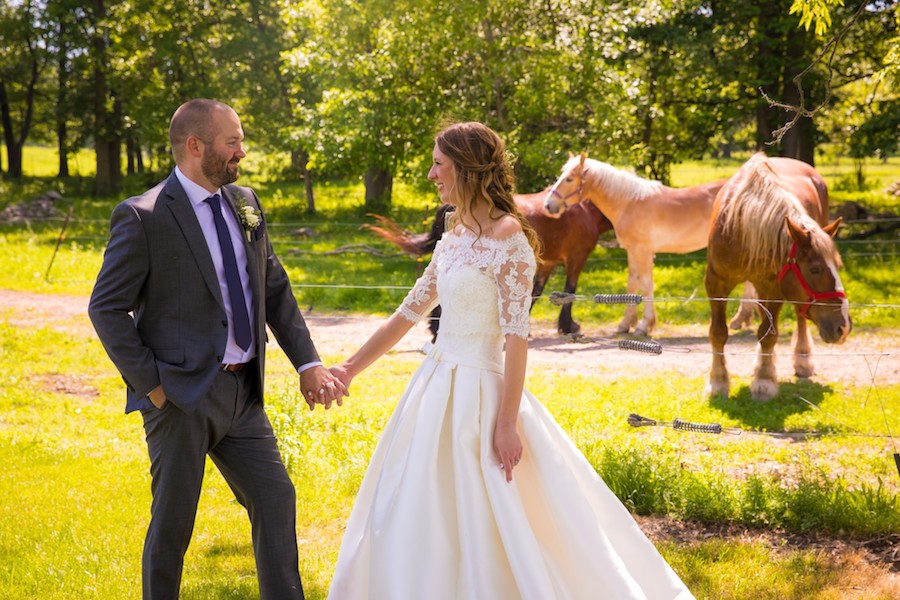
197,194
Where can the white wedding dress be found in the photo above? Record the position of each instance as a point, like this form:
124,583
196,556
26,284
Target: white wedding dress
435,518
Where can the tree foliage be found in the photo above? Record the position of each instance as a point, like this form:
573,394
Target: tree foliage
357,89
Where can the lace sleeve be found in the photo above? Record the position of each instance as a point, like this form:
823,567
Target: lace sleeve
514,269
423,295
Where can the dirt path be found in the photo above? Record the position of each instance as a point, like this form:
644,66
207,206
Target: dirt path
864,358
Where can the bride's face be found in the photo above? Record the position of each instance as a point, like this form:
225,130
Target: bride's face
443,174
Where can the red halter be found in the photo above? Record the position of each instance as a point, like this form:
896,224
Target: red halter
812,295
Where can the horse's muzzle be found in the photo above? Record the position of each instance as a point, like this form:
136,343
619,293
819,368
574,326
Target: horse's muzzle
835,332
553,209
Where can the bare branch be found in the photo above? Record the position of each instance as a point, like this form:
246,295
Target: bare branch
801,110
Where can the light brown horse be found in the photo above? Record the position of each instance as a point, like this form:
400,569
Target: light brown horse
648,217
568,241
769,226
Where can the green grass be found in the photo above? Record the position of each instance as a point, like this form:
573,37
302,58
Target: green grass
75,479
75,475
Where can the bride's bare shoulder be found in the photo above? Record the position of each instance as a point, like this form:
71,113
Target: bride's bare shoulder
505,227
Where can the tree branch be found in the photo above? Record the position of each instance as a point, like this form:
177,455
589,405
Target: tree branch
801,109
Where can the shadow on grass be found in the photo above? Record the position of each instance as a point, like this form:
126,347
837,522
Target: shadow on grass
797,397
231,576
241,591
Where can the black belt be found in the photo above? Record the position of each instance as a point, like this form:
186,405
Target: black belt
234,368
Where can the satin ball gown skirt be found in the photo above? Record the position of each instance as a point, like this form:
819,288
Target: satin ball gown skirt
435,517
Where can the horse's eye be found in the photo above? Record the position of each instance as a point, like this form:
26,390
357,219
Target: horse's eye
815,270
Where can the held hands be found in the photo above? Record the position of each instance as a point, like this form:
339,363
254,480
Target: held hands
319,386
508,447
341,373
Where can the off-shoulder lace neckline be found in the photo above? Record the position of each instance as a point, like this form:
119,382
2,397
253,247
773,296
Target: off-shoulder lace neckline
461,232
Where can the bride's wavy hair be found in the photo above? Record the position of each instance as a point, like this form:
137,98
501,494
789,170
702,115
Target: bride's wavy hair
482,171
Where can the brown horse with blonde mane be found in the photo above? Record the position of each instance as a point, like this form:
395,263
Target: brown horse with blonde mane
648,217
568,242
770,227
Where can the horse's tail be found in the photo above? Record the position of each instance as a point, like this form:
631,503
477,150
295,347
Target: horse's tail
417,244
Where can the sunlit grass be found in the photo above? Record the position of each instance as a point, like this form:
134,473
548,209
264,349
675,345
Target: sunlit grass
78,494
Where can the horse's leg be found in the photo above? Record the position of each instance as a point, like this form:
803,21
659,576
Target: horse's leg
540,280
744,316
635,286
718,335
803,366
541,276
565,324
645,281
574,266
434,322
764,385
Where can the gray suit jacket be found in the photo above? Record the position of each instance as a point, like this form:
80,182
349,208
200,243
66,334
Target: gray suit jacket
157,306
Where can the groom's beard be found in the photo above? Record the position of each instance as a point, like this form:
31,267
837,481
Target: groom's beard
216,171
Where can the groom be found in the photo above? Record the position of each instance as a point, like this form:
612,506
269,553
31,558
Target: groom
188,284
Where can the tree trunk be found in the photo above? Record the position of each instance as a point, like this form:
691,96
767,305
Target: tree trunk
105,142
62,82
768,44
13,151
300,160
14,144
62,147
138,156
496,82
799,141
379,183
130,152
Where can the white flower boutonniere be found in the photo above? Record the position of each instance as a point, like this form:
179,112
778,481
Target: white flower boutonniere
250,217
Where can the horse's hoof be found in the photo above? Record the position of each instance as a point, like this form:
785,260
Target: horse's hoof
763,390
717,388
570,329
622,329
803,368
804,373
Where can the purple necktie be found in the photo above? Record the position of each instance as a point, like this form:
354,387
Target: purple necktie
235,290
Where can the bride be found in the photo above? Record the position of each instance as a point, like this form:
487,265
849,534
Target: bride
474,491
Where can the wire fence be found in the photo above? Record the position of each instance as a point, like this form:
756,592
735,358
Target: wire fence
285,235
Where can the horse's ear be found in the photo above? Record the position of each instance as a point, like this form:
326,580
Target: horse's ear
832,228
801,236
583,156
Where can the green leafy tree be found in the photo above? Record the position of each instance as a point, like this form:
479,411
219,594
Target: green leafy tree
23,62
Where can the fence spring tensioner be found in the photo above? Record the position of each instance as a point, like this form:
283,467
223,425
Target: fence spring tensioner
636,420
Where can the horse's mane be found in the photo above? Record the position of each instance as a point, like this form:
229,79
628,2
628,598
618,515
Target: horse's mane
613,182
754,209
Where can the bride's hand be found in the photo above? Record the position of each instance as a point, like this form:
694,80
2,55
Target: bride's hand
508,447
340,372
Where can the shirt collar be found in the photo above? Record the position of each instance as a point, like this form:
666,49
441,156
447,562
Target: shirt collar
196,193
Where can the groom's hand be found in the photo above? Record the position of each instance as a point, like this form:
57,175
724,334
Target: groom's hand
157,397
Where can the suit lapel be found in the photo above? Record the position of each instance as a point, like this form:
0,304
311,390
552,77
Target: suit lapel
183,212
